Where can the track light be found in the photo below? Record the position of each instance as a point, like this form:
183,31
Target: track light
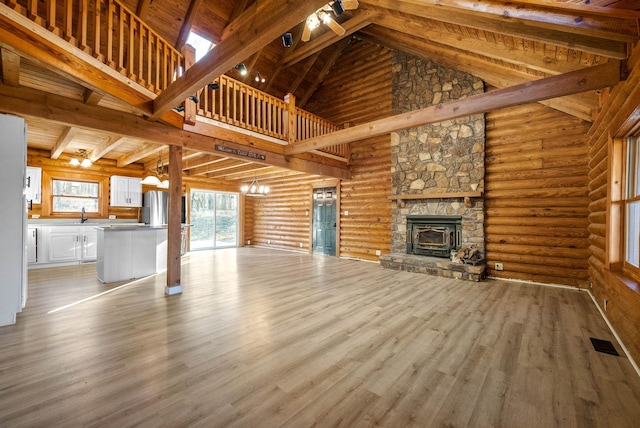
179,108
259,78
337,7
287,40
214,86
194,98
242,69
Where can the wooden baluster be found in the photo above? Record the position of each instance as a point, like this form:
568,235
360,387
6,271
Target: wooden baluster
83,17
68,22
121,23
131,52
156,51
110,12
51,17
142,30
149,56
32,12
97,30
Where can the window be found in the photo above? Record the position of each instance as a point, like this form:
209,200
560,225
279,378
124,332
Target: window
200,44
631,264
72,196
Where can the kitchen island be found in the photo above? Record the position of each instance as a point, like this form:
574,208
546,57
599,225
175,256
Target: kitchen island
128,252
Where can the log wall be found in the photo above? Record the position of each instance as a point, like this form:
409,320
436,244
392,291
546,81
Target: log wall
537,195
352,93
618,116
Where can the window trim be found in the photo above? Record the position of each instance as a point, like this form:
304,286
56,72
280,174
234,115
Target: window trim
47,194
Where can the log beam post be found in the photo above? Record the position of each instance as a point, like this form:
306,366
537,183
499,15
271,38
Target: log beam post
174,228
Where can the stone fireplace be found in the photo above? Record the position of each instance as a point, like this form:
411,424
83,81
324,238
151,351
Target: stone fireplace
437,173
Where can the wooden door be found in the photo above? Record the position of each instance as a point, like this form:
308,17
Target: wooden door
324,221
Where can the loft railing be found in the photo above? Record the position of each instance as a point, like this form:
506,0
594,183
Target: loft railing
241,105
114,35
111,33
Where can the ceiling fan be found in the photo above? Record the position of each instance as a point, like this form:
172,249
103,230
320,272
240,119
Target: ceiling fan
323,15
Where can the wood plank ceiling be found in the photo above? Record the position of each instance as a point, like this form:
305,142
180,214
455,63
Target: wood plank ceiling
502,43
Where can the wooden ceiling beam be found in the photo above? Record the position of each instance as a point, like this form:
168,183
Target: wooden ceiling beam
249,170
592,78
302,73
104,148
188,23
61,110
319,77
219,165
92,97
360,20
63,141
589,40
10,67
256,27
143,8
425,29
578,105
146,149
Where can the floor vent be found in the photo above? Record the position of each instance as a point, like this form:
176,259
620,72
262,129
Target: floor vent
604,346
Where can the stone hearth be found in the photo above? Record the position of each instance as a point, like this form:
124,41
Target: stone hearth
440,158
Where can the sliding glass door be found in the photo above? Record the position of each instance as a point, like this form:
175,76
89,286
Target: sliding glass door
214,219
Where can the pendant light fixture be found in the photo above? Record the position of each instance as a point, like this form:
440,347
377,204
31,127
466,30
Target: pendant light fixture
85,163
158,173
254,189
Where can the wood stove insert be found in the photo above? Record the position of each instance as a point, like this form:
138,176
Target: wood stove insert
431,235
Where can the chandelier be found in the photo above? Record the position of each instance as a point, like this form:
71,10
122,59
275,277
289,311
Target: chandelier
254,189
154,180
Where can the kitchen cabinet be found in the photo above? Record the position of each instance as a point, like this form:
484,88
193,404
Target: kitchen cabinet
33,185
126,191
70,243
32,244
130,252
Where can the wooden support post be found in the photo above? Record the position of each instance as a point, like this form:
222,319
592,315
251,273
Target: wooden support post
190,107
174,232
290,122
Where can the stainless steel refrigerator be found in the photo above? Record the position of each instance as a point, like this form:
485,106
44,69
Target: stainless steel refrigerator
155,208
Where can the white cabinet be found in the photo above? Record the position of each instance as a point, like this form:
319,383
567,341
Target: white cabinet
32,244
70,243
126,191
33,185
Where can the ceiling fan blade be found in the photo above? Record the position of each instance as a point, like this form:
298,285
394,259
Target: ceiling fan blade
306,33
337,28
350,4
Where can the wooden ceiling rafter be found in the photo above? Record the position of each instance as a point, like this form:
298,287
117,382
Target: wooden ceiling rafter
63,141
256,27
251,171
101,150
296,34
302,73
535,27
146,149
589,79
240,167
91,97
220,165
422,28
143,8
319,77
185,29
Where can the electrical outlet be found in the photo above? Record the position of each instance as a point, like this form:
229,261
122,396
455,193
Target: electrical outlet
346,213
248,241
112,217
377,252
268,241
499,266
301,245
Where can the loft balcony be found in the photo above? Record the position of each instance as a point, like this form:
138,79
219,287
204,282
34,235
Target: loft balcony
105,47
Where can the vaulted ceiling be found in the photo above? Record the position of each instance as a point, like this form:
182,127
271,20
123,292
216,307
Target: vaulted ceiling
503,43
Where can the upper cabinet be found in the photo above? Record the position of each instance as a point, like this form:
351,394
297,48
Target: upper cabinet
33,185
126,191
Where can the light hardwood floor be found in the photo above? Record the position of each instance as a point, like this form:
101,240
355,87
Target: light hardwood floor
265,338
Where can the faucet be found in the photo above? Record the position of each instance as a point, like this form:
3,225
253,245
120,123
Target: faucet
82,217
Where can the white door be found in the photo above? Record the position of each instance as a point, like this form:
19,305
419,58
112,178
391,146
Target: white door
90,244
